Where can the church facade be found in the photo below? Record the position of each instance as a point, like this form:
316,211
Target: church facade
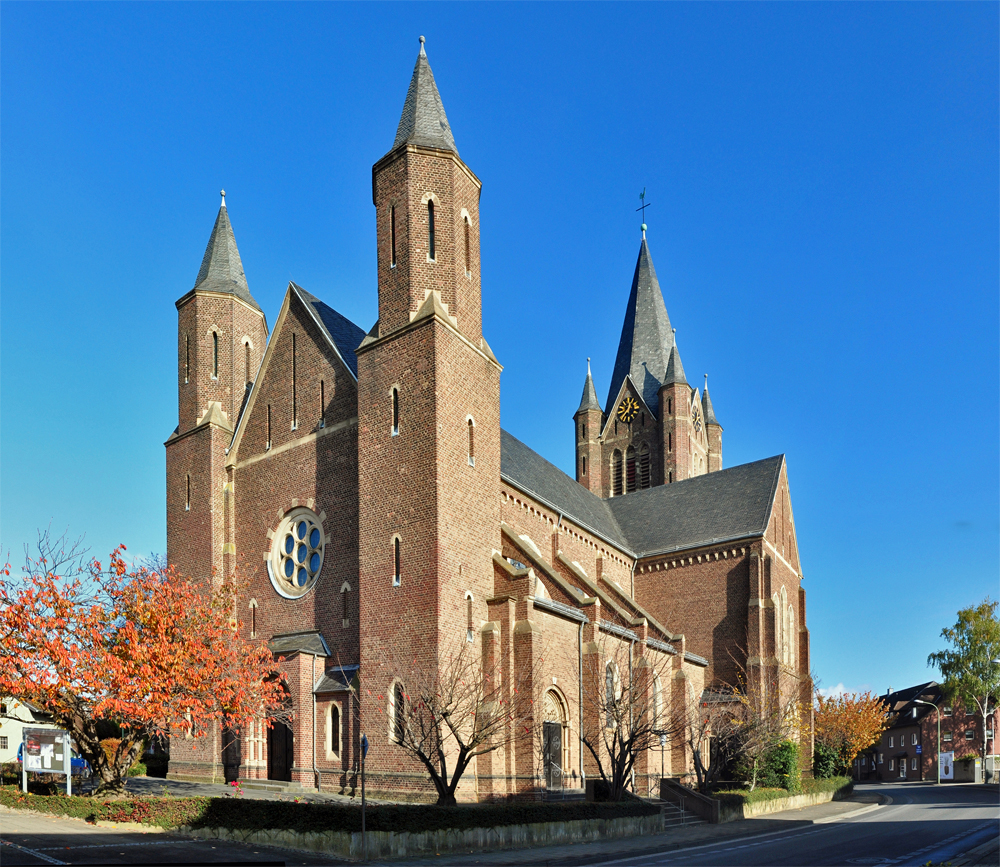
360,480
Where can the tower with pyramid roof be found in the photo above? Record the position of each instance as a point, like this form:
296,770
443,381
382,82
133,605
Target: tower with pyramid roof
654,428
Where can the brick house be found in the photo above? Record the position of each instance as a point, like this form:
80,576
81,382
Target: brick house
361,479
908,749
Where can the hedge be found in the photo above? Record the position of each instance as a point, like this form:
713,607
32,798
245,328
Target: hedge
735,797
252,815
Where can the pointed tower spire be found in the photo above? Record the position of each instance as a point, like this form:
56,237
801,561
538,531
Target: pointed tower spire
221,267
423,121
675,370
647,337
589,399
706,406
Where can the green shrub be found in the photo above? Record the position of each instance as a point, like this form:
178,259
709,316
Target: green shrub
840,786
782,768
824,762
251,815
137,770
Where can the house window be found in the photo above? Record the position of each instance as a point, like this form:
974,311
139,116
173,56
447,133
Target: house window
430,230
970,735
395,412
397,576
187,500
913,739
892,764
392,235
891,742
881,758
946,710
616,473
913,764
398,713
3,742
468,257
215,355
970,712
946,737
630,474
472,443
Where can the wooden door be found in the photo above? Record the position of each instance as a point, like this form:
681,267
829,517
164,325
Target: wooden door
280,752
552,754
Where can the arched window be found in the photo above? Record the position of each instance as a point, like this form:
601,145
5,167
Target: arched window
644,475
187,357
397,575
268,442
469,632
468,254
630,475
612,693
657,708
253,618
792,638
670,442
322,403
215,355
616,473
246,360
333,744
392,235
472,443
670,406
398,713
778,618
783,610
345,611
395,412
670,477
430,229
295,408
187,497
583,466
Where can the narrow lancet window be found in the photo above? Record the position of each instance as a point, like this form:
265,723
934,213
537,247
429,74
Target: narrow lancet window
472,443
322,404
430,229
392,235
395,412
398,709
268,442
469,634
187,357
215,355
295,408
246,360
187,496
468,257
396,574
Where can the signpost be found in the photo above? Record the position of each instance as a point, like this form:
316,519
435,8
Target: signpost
46,751
364,836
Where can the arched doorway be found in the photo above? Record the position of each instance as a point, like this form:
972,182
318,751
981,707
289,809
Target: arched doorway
553,739
281,744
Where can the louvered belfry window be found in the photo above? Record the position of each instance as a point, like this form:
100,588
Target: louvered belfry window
630,474
616,473
643,468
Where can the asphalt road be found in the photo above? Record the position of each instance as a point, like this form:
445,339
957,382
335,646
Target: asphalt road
923,824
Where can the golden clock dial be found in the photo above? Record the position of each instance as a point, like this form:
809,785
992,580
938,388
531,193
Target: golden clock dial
697,419
627,409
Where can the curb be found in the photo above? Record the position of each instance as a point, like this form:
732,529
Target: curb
973,855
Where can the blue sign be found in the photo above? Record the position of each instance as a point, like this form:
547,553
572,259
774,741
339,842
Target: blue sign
919,749
364,745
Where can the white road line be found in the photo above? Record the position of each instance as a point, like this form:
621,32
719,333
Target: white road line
118,845
33,853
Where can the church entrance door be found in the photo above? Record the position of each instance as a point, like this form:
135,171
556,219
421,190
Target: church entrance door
232,753
280,752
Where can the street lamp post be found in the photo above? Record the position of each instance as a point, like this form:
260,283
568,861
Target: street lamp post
937,713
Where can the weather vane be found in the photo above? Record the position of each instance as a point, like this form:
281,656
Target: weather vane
642,207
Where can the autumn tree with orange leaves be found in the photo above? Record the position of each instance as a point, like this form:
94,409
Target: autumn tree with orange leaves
143,648
848,724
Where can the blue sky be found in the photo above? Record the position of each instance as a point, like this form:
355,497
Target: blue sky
824,224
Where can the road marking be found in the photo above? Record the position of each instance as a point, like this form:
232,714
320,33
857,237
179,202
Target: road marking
33,852
116,845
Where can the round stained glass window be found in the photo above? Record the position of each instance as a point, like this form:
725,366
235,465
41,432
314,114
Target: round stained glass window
297,553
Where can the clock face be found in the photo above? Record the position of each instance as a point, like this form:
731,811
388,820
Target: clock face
696,416
628,409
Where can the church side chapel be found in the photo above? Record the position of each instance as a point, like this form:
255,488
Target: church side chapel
360,480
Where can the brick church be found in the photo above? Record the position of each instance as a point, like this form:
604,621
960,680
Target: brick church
360,478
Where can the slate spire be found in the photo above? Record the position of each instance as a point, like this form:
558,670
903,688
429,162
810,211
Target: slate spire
423,121
221,268
675,370
589,399
706,407
647,337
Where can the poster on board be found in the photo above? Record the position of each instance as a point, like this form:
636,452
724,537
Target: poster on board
947,766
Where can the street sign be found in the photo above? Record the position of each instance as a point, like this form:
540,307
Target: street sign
364,745
919,749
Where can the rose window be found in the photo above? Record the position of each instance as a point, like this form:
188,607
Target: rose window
296,553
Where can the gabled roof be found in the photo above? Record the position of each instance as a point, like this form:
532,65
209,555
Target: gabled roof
529,471
221,267
589,399
343,334
734,503
423,121
646,338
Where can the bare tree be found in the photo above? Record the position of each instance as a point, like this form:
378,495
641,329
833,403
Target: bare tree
710,730
449,714
625,707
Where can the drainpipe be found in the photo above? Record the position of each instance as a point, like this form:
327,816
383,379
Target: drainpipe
583,779
317,779
635,563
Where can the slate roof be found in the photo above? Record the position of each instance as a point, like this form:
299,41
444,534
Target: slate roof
708,410
530,472
730,504
221,267
646,338
589,399
344,334
311,642
423,121
675,370
336,679
734,503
